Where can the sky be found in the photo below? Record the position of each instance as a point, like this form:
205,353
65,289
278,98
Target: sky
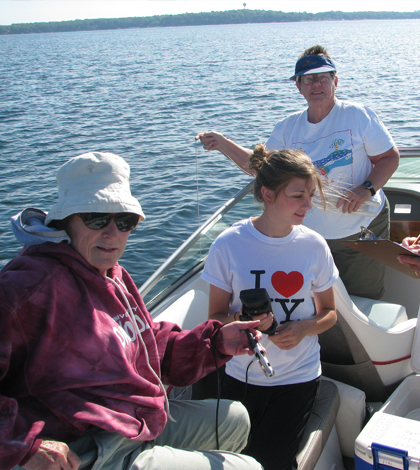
32,11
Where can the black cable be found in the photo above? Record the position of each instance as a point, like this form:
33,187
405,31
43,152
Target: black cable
246,379
213,349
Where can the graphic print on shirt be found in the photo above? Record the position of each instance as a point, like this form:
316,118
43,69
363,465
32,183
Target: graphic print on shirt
287,285
333,156
126,332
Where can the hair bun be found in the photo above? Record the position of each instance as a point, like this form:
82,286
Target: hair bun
258,157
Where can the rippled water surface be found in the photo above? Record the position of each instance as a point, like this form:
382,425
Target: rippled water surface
145,93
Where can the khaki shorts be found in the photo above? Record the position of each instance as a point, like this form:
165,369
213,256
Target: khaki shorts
362,275
187,444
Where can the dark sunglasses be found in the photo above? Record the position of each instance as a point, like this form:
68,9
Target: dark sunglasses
125,221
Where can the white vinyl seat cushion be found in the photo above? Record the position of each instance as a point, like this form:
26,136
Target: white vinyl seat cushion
187,311
384,314
387,341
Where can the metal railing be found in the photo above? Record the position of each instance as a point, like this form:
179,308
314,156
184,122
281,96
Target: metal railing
193,239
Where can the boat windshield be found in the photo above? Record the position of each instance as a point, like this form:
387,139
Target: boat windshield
189,259
191,255
409,166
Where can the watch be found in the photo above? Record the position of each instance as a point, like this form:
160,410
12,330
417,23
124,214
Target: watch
369,185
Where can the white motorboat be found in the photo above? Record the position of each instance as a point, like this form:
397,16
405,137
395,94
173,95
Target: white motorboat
365,357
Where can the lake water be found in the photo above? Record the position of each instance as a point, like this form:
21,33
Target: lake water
145,93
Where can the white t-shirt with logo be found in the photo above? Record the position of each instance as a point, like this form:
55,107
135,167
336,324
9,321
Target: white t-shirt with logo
339,146
290,268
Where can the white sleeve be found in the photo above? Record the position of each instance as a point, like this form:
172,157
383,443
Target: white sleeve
327,270
376,136
217,269
276,140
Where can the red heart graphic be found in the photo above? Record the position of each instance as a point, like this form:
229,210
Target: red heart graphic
287,284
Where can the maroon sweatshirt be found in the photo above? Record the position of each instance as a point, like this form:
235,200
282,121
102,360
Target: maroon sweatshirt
70,357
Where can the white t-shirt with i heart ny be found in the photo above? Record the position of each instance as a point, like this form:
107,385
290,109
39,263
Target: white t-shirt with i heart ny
290,268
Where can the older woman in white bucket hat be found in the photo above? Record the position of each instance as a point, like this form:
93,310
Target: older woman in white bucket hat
82,363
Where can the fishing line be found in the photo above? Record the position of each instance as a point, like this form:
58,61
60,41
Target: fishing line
198,193
196,177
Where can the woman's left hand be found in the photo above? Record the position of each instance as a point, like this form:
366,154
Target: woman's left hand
352,201
288,335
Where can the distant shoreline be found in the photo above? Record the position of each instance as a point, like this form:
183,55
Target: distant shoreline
242,16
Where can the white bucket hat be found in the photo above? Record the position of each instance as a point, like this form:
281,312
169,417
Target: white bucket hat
94,182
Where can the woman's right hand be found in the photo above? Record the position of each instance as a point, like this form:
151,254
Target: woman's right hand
410,243
412,262
266,320
239,155
211,140
53,455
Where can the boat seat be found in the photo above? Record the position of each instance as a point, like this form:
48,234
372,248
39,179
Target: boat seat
187,311
320,427
351,416
320,433
384,314
364,350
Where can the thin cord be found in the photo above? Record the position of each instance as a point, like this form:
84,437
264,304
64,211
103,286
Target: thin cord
246,379
213,349
219,389
196,176
198,194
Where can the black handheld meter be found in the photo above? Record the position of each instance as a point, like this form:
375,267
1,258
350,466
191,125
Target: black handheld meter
256,302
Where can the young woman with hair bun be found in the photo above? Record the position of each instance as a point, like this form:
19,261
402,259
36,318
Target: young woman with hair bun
294,264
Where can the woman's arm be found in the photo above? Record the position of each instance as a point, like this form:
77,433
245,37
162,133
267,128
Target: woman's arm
290,334
384,166
239,155
219,302
326,316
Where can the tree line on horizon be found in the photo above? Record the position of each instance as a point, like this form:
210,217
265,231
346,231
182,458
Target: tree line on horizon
242,16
